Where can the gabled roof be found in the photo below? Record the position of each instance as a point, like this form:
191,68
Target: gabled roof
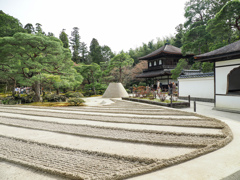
228,52
166,49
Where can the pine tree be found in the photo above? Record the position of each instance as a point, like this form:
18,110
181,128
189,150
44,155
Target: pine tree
84,52
9,25
75,44
95,51
30,29
64,38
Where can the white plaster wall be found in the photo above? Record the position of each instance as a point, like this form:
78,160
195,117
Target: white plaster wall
228,62
222,73
197,87
228,102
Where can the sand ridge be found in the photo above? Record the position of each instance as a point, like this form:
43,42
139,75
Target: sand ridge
104,165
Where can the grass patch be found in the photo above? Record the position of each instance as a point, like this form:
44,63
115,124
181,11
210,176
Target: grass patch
166,101
3,95
50,104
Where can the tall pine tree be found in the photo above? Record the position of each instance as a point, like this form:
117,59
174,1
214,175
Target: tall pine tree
95,51
64,38
75,44
84,53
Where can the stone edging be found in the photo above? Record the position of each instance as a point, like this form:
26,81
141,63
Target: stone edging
175,105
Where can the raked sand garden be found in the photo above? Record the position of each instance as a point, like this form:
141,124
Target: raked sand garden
113,141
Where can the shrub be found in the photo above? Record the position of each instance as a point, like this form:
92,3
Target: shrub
26,98
128,91
76,101
10,100
54,98
142,84
73,94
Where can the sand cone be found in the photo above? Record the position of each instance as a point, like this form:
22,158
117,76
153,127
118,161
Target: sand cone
115,90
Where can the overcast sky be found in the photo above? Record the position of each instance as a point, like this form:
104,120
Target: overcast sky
120,24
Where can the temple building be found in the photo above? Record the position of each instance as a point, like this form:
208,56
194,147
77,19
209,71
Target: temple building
160,64
226,76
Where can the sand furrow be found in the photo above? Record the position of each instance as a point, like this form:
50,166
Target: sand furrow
171,121
118,134
113,124
72,163
176,116
62,146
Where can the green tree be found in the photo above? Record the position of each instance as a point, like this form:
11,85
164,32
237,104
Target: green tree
95,51
179,36
196,39
207,67
30,57
50,34
64,38
29,28
120,61
107,53
9,25
84,52
92,73
226,24
38,29
182,64
75,44
196,65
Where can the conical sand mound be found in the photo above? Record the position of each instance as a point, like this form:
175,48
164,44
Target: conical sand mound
115,90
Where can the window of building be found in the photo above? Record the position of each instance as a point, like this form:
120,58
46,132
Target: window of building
155,63
160,62
150,64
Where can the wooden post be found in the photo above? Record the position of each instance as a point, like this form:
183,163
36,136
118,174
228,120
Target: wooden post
189,98
194,106
171,100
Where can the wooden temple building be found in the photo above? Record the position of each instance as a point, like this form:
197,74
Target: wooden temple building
160,64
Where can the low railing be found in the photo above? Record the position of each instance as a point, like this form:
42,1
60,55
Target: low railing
160,67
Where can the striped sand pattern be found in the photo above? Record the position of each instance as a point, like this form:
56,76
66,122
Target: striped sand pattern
83,136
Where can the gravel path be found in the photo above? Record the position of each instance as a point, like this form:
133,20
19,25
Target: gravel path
20,125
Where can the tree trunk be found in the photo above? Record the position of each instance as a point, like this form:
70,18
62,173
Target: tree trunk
120,75
94,90
58,92
13,89
36,89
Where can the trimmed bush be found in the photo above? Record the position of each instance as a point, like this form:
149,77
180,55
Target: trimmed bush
26,98
76,101
73,94
54,98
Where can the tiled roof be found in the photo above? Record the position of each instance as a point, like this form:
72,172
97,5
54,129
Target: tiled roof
150,74
226,51
168,49
196,75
